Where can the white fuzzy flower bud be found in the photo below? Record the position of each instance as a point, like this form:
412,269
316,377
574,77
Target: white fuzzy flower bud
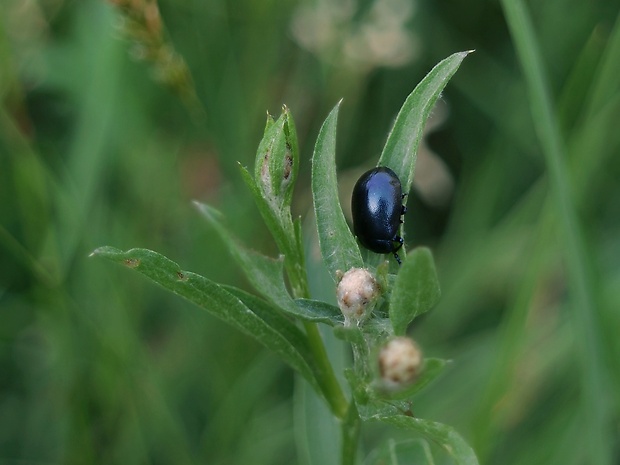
357,293
400,361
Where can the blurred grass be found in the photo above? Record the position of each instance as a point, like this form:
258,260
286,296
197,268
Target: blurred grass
581,291
98,366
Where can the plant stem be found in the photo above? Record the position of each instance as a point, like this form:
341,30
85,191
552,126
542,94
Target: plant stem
350,435
330,386
585,311
325,373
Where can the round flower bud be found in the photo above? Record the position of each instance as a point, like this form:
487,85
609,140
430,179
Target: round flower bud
357,293
400,361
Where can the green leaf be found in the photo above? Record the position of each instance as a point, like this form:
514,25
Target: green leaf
338,246
265,274
393,452
315,424
269,123
351,334
284,241
277,162
401,148
359,385
219,302
320,312
274,318
441,434
416,289
270,218
378,328
285,235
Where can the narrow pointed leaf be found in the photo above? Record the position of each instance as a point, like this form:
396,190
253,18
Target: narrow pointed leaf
416,289
265,273
269,217
272,316
284,233
277,162
338,246
351,334
319,312
393,452
271,220
214,299
443,435
401,148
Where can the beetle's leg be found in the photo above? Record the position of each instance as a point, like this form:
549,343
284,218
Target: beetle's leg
401,242
403,210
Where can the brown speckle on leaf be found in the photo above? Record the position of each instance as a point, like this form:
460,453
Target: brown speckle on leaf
132,262
288,166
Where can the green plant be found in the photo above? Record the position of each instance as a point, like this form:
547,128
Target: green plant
285,319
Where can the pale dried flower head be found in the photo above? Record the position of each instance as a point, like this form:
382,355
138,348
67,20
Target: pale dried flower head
357,293
400,361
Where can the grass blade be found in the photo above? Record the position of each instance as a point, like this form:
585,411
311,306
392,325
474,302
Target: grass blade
588,330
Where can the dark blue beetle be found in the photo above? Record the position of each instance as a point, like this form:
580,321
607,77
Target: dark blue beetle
377,206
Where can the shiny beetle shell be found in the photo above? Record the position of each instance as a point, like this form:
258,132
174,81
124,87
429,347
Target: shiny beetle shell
377,206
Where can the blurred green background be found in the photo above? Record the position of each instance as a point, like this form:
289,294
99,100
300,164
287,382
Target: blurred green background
102,142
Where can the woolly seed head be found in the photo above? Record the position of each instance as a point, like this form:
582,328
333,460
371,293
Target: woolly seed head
357,293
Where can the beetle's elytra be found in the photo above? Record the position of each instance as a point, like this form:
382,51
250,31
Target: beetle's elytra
377,206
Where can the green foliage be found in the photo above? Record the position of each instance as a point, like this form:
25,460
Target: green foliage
514,190
318,311
402,144
265,274
277,162
260,321
416,288
443,435
590,351
338,247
